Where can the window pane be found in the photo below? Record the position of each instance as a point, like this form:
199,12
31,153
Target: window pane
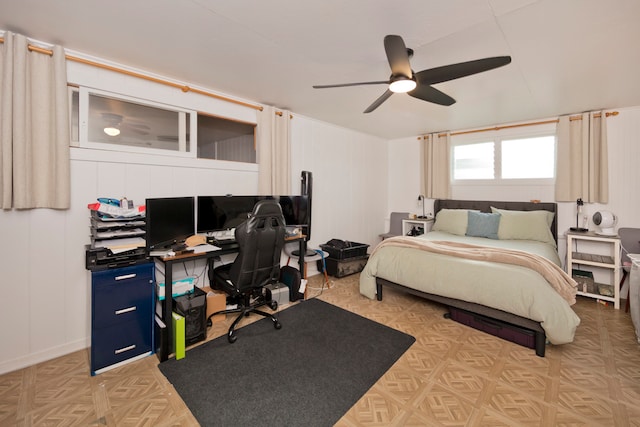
223,139
115,121
473,161
74,115
528,158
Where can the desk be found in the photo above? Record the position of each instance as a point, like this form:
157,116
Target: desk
165,348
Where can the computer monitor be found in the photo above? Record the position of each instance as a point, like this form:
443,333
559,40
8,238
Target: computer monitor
216,213
295,210
170,220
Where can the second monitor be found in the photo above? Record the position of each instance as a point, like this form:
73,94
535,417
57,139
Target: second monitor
216,213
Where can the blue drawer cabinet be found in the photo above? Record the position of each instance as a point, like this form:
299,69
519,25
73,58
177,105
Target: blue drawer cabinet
122,320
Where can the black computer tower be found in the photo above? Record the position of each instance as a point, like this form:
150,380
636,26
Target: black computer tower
193,307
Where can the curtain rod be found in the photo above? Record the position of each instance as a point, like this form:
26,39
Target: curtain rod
544,122
183,88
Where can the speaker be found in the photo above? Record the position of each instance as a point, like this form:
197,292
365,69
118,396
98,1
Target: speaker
306,189
193,307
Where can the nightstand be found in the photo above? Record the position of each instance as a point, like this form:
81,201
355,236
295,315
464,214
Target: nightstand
608,262
422,225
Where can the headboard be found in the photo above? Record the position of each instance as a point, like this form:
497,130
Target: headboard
485,206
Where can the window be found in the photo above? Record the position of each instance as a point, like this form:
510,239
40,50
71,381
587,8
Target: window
505,159
116,122
528,158
224,139
473,161
108,121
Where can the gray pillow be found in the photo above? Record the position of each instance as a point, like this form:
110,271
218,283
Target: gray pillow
481,224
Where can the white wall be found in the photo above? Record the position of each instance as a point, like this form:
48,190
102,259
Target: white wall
349,180
45,287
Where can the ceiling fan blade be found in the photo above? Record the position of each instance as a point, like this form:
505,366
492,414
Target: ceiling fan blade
398,56
386,82
379,101
431,94
461,69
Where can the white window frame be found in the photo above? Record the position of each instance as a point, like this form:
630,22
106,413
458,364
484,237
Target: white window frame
497,137
83,105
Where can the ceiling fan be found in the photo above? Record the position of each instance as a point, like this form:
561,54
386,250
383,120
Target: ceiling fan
114,123
404,80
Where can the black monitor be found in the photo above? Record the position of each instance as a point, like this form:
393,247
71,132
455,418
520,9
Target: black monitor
295,210
217,213
170,220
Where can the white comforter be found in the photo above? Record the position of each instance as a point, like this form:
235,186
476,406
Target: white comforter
511,288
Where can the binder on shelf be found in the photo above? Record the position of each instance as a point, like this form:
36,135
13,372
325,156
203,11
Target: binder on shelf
178,335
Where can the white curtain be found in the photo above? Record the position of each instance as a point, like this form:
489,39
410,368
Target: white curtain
34,119
435,170
582,158
274,152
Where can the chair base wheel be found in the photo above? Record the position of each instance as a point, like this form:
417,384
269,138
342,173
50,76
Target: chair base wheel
277,325
273,305
232,337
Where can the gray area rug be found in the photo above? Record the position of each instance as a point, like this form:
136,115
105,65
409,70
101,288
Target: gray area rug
309,373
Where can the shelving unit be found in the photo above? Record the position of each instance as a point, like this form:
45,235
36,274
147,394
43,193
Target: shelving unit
108,229
421,223
610,262
122,291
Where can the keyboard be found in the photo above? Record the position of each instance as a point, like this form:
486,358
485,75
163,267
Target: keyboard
223,236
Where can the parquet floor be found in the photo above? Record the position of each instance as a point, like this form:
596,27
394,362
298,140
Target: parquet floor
452,376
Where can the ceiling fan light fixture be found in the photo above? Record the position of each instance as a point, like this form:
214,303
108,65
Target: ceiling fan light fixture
402,85
111,131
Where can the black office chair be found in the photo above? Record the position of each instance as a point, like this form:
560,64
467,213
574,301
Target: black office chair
260,239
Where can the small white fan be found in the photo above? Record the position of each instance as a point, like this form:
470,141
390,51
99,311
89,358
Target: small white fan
606,221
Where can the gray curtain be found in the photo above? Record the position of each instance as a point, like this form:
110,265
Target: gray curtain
34,118
435,170
274,152
582,158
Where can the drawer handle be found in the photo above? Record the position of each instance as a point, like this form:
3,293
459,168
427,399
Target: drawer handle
126,310
126,276
122,350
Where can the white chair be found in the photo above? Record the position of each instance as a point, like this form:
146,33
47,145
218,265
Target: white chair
395,224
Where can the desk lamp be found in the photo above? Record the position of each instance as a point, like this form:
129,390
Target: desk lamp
579,204
421,198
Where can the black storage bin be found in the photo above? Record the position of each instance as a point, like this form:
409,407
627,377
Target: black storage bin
504,330
341,249
193,307
344,267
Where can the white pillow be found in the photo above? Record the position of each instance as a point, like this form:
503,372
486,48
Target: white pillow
525,225
452,221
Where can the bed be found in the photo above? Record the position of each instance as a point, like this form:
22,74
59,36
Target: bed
495,259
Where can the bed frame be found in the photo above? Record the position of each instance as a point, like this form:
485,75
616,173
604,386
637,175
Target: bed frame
482,310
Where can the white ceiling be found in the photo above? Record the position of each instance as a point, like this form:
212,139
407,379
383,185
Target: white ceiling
568,55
